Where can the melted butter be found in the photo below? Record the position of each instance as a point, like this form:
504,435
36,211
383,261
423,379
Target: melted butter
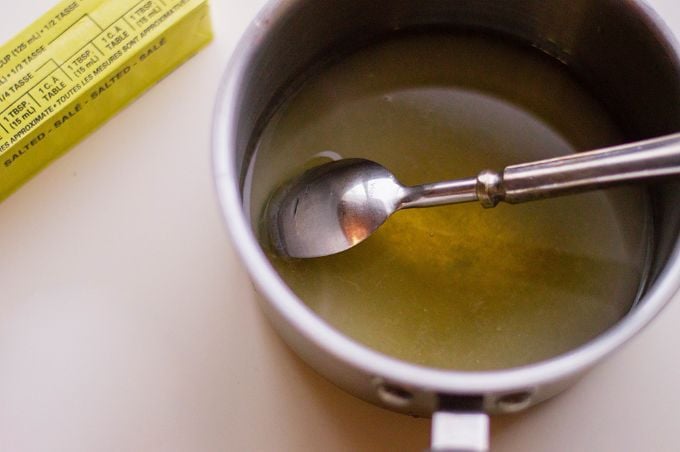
459,286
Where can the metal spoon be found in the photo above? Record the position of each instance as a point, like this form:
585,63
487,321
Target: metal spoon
335,206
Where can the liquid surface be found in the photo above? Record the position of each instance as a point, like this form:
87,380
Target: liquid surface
459,287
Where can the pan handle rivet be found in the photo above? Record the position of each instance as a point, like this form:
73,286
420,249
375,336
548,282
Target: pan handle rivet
394,395
513,402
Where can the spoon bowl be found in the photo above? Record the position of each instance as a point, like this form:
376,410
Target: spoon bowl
332,207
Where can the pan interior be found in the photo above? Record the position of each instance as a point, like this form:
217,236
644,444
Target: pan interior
458,287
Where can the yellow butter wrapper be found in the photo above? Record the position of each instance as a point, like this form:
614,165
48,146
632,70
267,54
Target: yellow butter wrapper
79,64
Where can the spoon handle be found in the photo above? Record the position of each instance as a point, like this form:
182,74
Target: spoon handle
580,172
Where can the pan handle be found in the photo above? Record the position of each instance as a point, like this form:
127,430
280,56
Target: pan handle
455,431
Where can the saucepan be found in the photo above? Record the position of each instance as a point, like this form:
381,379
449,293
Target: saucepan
620,48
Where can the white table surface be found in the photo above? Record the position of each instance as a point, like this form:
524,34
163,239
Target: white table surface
128,324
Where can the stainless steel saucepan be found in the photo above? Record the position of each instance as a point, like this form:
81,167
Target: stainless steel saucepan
620,48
